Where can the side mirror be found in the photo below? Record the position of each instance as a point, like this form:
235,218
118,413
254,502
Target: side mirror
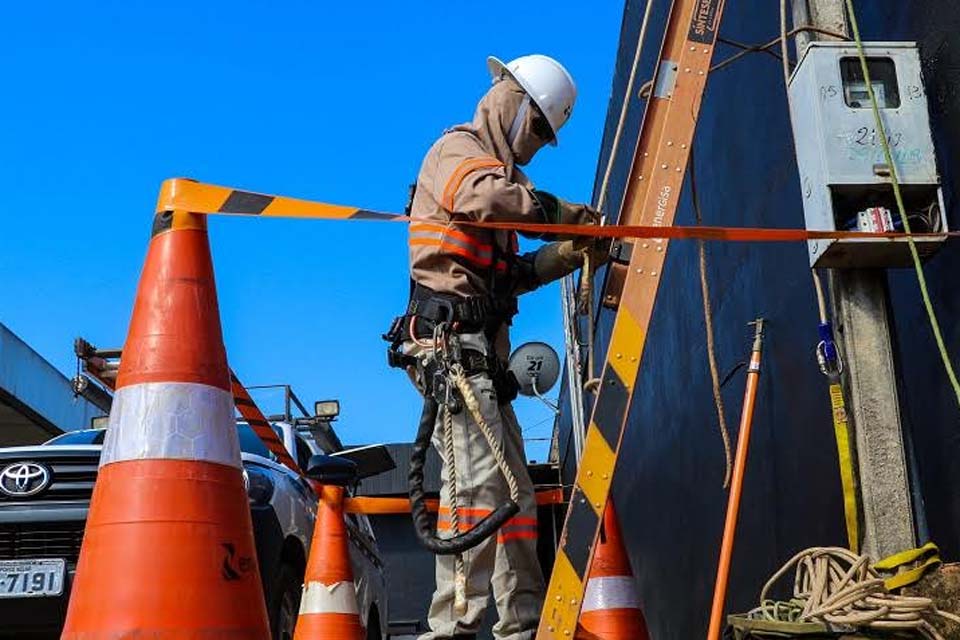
339,472
370,461
536,366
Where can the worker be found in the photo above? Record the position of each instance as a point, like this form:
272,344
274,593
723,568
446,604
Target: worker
467,279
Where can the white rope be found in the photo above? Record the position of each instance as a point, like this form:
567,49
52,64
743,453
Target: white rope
835,586
460,571
459,567
459,378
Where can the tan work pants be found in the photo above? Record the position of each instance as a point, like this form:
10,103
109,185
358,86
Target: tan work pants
506,562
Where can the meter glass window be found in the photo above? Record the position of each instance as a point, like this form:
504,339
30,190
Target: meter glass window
883,77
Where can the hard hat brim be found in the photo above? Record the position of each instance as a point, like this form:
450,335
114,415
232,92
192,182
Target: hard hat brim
498,68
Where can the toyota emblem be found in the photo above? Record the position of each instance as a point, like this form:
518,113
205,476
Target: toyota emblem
24,479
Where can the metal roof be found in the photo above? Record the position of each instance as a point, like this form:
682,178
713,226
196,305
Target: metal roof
36,399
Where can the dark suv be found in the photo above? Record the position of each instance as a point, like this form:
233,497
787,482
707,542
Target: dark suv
45,491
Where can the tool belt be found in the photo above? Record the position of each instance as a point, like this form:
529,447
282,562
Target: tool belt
465,315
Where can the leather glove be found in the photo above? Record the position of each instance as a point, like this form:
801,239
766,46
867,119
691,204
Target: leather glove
557,259
559,211
571,213
598,248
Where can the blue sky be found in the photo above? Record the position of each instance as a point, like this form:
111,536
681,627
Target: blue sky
334,102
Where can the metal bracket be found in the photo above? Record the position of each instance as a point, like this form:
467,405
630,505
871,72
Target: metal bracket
621,251
666,79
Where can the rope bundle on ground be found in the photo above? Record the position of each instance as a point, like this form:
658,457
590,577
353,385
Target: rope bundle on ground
839,588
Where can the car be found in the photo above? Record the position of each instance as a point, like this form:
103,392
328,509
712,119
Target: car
45,492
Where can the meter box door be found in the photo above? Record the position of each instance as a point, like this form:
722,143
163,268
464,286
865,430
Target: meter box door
844,178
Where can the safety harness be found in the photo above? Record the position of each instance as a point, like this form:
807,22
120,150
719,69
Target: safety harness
434,321
428,310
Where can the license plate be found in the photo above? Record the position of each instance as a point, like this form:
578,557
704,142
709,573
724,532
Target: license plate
31,578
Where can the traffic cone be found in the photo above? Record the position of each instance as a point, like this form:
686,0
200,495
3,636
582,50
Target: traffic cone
328,609
611,606
168,551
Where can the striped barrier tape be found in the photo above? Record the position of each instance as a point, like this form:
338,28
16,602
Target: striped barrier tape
181,194
260,425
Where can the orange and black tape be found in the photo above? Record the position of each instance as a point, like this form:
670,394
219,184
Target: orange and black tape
176,220
181,195
260,425
245,203
162,221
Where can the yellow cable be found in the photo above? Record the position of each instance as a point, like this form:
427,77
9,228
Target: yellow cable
895,181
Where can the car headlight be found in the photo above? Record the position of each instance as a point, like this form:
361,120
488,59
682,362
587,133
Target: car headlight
259,486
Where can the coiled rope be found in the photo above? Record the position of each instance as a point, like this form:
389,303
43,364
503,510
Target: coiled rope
837,587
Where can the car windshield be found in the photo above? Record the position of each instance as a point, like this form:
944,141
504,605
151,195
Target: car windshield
84,436
250,442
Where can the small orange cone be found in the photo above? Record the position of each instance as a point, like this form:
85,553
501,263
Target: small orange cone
611,607
168,551
328,609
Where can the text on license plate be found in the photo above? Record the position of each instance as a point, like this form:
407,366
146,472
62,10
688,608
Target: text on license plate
31,578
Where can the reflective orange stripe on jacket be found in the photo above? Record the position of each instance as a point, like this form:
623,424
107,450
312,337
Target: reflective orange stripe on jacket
456,178
452,241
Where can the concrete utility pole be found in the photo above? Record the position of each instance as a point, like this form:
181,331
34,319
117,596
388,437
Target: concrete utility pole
860,314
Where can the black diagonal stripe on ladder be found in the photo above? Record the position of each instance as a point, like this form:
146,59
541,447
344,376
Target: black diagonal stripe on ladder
610,414
582,523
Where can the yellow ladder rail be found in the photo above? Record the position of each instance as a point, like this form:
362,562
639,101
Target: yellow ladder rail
652,197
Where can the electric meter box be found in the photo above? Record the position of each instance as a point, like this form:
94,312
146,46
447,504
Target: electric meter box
844,177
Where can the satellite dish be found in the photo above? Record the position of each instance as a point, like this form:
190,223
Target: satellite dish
536,367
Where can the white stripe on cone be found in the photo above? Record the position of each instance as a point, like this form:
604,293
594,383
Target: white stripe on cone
613,592
340,597
172,420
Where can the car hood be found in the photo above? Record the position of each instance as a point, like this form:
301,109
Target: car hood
42,452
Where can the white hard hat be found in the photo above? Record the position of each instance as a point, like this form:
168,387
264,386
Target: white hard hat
545,80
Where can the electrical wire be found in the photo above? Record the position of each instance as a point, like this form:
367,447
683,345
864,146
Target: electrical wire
586,282
748,49
785,61
585,302
895,182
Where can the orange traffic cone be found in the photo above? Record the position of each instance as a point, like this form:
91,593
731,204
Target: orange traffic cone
168,551
328,609
611,607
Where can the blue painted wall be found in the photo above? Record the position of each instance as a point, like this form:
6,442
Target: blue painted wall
668,483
